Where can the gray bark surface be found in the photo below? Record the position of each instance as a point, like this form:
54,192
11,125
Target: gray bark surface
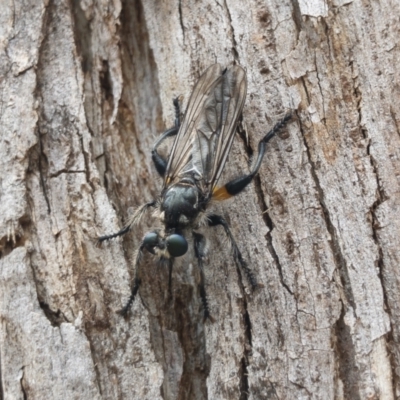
85,88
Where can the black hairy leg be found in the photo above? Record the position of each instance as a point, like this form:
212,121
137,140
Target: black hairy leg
134,290
136,282
215,220
136,217
237,185
149,242
160,162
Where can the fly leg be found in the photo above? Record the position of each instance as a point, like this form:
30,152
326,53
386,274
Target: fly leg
215,220
150,241
136,283
134,290
136,217
235,186
160,162
200,253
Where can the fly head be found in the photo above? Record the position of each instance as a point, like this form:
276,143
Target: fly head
173,245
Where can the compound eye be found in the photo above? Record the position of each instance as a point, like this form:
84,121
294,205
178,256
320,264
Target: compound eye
150,241
177,245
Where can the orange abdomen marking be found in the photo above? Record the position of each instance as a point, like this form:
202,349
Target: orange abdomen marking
221,194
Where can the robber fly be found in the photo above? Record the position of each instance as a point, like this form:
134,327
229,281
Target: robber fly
191,172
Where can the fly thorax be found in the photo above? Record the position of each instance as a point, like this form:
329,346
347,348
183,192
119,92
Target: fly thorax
179,205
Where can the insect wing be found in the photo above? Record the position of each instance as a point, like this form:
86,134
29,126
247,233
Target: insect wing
181,151
205,137
222,122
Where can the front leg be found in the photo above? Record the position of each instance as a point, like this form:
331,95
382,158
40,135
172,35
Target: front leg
160,162
136,283
150,242
136,217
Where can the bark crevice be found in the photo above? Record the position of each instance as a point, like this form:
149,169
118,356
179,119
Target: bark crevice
1,374
345,355
56,318
340,261
247,352
43,171
181,20
21,381
232,29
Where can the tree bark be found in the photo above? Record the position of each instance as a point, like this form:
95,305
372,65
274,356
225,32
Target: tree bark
86,87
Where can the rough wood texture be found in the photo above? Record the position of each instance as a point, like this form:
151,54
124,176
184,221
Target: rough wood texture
85,88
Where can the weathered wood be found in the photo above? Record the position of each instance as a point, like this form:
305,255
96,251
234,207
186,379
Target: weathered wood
86,87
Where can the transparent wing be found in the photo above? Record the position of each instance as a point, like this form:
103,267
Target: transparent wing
181,152
205,137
